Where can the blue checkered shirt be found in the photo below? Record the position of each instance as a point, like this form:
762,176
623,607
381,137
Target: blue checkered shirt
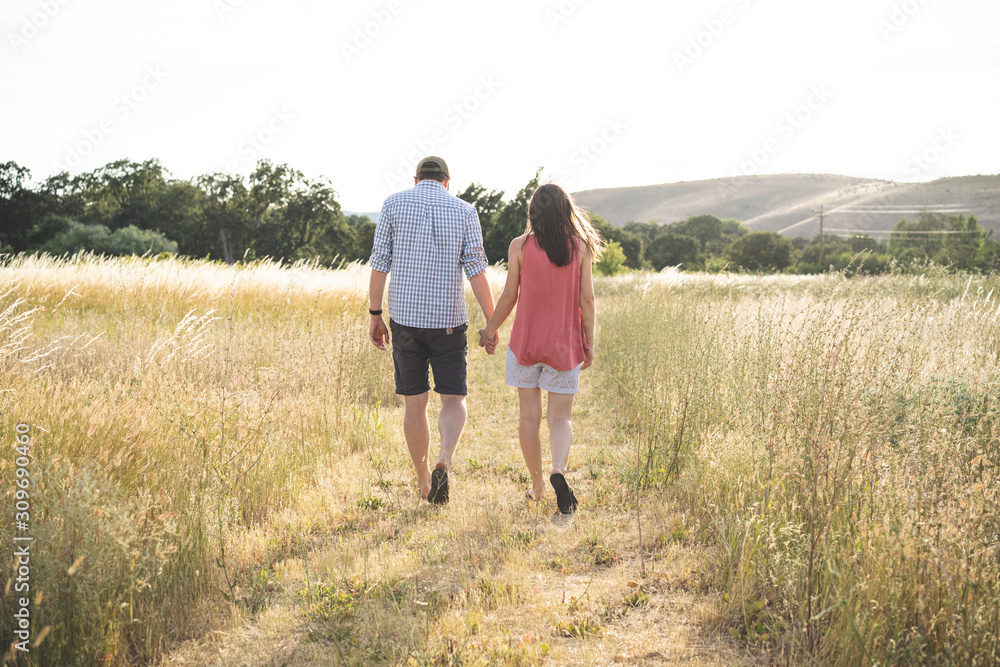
426,236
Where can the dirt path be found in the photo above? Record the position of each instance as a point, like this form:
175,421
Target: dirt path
488,579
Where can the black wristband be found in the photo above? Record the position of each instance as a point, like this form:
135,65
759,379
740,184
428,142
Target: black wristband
374,312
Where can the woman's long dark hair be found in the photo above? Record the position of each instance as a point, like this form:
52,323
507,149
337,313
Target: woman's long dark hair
554,219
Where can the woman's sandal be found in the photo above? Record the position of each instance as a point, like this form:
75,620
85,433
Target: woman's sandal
565,498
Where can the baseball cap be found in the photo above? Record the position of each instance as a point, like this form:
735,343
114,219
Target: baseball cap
434,165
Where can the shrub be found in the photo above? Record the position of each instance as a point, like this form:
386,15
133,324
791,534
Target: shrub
100,240
612,261
761,251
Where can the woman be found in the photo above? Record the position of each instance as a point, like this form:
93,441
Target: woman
550,279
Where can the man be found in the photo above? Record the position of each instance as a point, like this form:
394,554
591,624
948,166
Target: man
426,237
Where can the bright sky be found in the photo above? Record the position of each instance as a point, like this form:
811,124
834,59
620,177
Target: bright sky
599,93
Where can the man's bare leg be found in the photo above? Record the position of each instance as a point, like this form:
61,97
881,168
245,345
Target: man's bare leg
450,424
418,437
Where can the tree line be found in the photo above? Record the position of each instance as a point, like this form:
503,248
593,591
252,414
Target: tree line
706,243
128,207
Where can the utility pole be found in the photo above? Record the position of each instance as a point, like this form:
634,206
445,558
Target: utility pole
821,238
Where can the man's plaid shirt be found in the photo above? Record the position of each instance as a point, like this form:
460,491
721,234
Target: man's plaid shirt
425,237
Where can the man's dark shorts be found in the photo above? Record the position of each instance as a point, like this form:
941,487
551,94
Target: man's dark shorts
413,349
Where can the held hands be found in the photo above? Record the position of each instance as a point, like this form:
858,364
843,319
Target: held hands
489,343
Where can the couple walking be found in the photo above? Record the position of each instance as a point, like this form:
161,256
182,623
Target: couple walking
427,238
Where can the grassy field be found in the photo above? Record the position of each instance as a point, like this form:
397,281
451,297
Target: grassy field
787,470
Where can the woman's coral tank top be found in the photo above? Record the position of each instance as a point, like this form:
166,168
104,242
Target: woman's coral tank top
548,325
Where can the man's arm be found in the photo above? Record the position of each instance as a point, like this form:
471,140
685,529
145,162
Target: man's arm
483,292
474,263
381,263
378,333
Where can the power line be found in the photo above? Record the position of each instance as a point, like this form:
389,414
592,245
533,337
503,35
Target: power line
903,233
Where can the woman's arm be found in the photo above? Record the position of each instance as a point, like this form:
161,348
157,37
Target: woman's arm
588,304
507,300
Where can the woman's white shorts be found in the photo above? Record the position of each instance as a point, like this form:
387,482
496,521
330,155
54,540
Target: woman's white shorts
541,376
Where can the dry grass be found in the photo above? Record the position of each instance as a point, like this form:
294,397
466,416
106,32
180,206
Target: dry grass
836,442
808,464
223,449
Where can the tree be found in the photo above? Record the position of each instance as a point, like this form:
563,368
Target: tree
66,195
487,204
612,260
705,228
669,249
51,226
310,225
224,211
270,186
761,251
862,243
20,207
181,217
510,222
916,233
988,256
961,244
124,193
833,246
646,230
951,241
357,221
364,239
732,229
632,245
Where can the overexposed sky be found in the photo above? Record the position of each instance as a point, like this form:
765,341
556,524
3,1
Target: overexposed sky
599,93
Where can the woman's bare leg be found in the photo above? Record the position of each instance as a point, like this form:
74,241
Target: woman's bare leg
560,409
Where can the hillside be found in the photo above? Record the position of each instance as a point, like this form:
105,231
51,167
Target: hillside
789,203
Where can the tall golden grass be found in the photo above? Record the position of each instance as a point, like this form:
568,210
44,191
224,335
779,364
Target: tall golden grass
818,455
837,442
173,405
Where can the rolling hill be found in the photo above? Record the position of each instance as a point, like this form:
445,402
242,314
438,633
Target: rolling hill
789,204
